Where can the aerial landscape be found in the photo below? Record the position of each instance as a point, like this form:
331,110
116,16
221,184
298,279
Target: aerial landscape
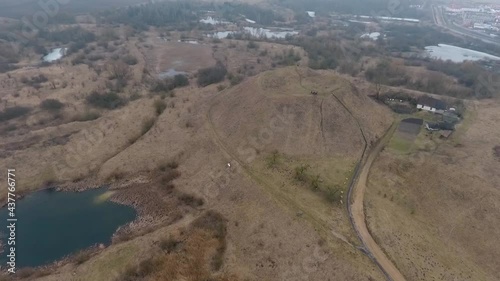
198,140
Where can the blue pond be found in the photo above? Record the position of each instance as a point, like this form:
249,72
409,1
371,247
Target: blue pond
52,225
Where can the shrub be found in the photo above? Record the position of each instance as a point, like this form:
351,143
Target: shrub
300,173
145,268
169,244
169,176
235,79
107,100
10,128
13,112
82,257
159,106
95,57
191,200
173,164
211,75
147,125
273,159
215,223
252,45
333,194
52,105
169,84
34,81
87,116
180,80
169,165
130,60
79,59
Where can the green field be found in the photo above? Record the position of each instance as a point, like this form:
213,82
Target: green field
400,144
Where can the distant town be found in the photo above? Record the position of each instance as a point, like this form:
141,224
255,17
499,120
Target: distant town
481,19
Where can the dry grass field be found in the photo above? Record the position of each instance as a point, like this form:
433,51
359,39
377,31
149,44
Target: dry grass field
262,234
246,179
273,233
436,212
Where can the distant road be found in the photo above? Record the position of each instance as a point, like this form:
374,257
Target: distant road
441,20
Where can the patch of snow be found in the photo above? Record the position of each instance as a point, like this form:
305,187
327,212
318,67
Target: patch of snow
189,42
392,19
170,73
264,32
55,54
312,14
222,34
213,21
257,32
250,21
357,21
373,35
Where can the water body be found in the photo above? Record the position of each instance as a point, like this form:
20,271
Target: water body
55,54
457,54
52,225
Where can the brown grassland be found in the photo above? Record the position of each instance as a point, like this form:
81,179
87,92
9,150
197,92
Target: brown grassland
435,212
247,179
280,229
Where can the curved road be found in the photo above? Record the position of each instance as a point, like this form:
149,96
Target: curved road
356,211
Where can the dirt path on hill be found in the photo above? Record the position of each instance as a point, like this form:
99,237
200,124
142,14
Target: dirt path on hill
356,211
355,201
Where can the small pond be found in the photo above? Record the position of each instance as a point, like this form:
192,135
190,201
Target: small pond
52,225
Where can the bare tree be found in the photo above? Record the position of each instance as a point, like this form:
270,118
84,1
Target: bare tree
378,89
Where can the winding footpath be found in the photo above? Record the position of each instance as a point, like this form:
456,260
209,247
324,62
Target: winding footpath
356,194
357,214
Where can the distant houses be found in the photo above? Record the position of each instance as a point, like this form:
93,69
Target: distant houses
431,104
449,115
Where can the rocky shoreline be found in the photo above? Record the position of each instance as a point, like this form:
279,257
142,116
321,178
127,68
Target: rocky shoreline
155,207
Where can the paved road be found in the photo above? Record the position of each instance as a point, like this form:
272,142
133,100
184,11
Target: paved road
356,211
441,20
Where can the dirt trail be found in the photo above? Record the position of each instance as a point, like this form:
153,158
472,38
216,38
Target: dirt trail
356,209
356,195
